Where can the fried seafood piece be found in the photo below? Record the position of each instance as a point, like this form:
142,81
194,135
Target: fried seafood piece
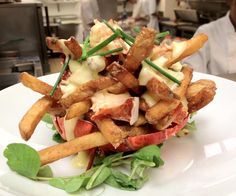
143,105
117,88
180,91
113,133
140,50
39,86
32,117
123,75
160,110
199,94
159,90
86,90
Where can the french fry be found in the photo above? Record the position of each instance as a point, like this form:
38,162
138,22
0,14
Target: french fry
114,134
192,46
180,91
74,47
123,75
199,94
32,117
140,50
86,90
141,121
159,90
78,109
53,44
160,110
59,151
117,88
38,85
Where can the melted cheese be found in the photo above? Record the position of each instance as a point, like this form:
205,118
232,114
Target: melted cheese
149,99
178,48
96,63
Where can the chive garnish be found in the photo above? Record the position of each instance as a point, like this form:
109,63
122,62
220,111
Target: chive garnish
162,34
60,75
162,71
102,44
129,39
109,52
104,21
84,49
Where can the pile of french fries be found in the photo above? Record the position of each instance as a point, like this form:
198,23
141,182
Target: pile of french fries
119,76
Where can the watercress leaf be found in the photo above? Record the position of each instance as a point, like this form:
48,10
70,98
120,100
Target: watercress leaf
53,127
58,183
47,119
74,184
115,157
158,161
126,183
136,164
191,126
104,174
147,153
45,171
111,180
23,159
57,138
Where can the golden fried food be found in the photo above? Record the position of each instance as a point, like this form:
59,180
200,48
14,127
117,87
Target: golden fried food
117,88
114,134
123,75
159,90
86,90
180,91
199,94
39,86
59,151
140,50
74,47
190,46
78,109
160,110
32,117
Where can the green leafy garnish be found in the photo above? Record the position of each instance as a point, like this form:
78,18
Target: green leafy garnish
47,119
23,159
57,138
109,52
45,171
188,128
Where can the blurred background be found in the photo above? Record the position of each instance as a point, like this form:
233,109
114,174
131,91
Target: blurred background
24,24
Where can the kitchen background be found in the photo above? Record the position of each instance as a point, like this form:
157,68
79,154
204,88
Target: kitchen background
24,26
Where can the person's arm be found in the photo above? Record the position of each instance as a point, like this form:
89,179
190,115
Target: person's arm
200,60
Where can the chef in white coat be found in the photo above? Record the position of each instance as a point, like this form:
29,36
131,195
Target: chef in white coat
146,8
218,56
88,10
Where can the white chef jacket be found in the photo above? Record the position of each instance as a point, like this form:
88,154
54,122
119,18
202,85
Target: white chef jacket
88,11
218,55
146,8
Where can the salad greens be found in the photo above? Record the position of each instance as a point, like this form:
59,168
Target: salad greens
26,161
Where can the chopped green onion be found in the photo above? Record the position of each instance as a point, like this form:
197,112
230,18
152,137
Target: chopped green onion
162,34
162,71
109,52
106,23
60,75
129,39
84,49
102,44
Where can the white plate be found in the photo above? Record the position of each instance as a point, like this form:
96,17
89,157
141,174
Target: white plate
203,163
